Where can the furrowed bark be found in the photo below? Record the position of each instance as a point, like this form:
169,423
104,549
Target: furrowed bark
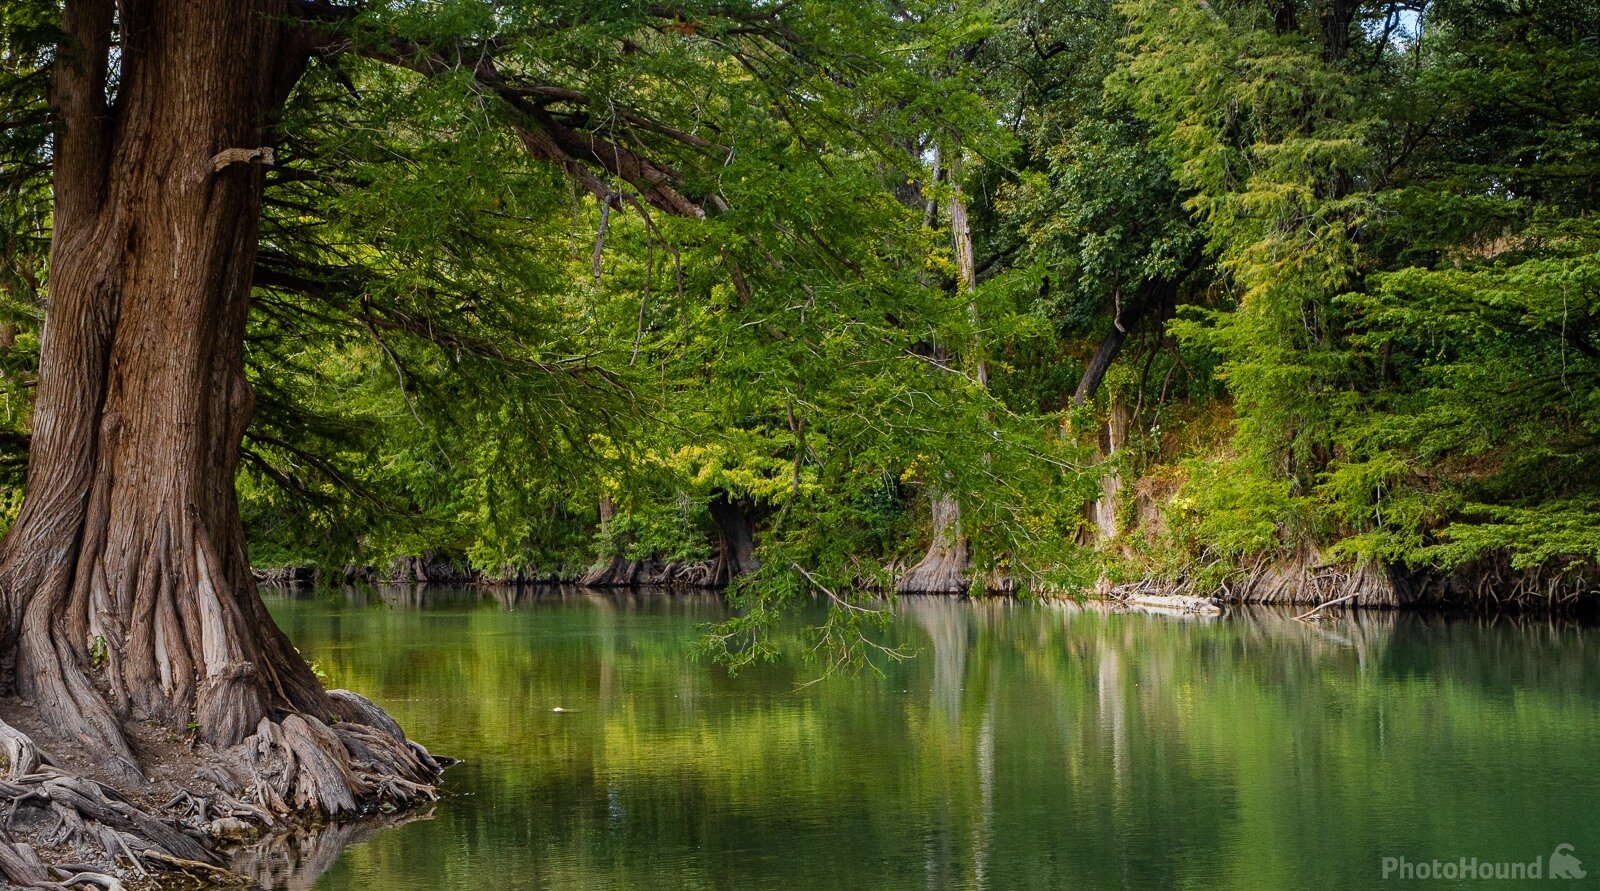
124,583
127,560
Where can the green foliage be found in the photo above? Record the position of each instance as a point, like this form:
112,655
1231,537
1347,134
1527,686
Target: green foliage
670,532
1405,228
27,35
457,350
1236,514
521,258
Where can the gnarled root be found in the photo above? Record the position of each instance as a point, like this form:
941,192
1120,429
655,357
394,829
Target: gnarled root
295,770
85,811
362,762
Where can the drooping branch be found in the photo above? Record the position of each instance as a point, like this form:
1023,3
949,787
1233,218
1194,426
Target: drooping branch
573,139
348,290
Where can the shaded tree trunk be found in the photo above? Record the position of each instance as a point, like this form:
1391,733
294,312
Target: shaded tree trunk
126,587
1095,372
1336,18
1154,298
736,539
1285,16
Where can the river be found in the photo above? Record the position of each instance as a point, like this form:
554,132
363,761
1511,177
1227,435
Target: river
1022,745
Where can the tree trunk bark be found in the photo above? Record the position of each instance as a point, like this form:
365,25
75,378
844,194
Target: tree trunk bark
1336,18
126,587
943,570
1103,510
1095,373
1122,321
736,540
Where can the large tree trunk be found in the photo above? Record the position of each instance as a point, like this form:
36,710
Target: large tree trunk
943,570
1336,18
124,583
125,575
125,589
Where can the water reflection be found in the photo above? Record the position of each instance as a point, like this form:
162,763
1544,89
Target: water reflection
294,861
1026,745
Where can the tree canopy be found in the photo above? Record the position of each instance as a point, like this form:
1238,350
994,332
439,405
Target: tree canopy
1334,263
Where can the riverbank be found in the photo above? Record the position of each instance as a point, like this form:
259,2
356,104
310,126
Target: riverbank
1305,579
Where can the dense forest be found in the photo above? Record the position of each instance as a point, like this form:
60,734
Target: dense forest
810,300
1021,296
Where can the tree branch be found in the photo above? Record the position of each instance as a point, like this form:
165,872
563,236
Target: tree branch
540,132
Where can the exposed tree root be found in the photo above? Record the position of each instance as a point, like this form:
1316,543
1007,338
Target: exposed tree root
291,771
1489,584
620,572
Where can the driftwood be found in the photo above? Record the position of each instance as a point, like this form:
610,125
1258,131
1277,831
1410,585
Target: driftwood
1173,604
1311,613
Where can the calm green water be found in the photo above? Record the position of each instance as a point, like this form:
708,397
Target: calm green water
1025,746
